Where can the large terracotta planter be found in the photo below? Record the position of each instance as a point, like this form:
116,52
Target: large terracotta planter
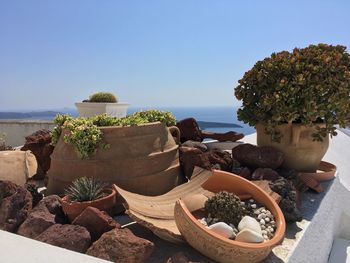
223,249
73,209
301,152
141,159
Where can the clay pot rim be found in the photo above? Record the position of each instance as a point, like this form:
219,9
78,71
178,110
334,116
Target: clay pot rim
327,172
279,219
156,123
112,192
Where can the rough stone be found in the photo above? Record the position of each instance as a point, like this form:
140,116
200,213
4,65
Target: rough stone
189,130
15,205
44,215
194,144
39,143
180,257
121,245
7,188
72,237
258,157
96,222
265,174
213,159
288,203
191,157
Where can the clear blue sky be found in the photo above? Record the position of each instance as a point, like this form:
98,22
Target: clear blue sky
150,53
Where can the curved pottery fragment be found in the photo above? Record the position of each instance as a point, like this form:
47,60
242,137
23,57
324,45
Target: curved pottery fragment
217,247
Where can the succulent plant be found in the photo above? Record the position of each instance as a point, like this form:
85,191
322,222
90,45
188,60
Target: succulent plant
156,115
85,189
86,137
103,97
307,86
226,207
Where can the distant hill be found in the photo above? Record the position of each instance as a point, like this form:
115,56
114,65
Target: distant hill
28,115
209,124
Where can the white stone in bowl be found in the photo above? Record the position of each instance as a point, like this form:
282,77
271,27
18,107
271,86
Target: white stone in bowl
249,236
248,222
222,229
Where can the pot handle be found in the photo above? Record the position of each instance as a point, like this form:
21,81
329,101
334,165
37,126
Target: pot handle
175,132
295,135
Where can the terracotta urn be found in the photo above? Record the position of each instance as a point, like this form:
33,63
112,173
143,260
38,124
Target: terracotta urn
217,247
301,152
143,159
106,203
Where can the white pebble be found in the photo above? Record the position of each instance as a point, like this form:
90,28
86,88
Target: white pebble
262,222
251,200
203,221
265,237
222,229
263,227
264,232
253,206
267,219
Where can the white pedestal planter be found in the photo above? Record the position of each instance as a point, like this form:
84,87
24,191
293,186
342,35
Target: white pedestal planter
90,109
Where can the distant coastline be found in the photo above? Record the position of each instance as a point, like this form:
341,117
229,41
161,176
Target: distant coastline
216,119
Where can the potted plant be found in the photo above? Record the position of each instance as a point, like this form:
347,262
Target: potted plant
138,152
100,103
295,99
87,191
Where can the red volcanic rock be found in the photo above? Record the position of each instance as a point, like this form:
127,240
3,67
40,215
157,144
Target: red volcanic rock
15,205
121,245
44,215
265,174
193,144
189,130
257,157
180,257
191,157
96,222
39,143
72,237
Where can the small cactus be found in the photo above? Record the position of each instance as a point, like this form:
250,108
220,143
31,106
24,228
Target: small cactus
103,97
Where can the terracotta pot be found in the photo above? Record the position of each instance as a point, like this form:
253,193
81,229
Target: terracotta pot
223,249
73,209
325,171
301,152
142,159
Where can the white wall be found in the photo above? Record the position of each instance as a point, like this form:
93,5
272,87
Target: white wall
15,131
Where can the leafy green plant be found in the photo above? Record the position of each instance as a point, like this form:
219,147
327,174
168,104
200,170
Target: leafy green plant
59,120
85,189
103,97
86,137
307,86
156,115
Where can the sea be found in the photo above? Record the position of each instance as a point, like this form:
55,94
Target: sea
215,119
